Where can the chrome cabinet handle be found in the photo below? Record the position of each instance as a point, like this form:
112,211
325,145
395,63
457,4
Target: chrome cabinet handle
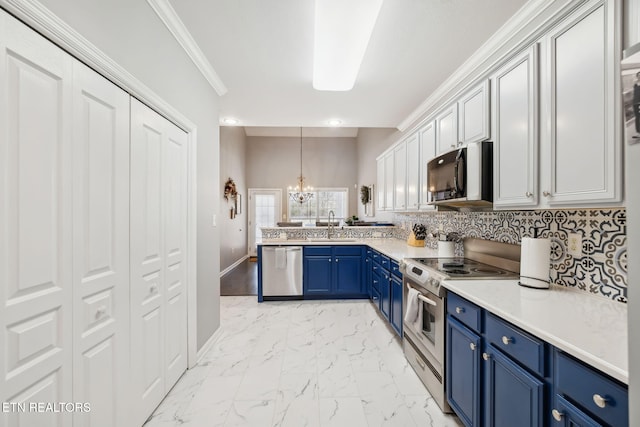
528,194
506,340
337,260
486,356
557,415
546,193
459,310
472,346
101,311
420,362
599,400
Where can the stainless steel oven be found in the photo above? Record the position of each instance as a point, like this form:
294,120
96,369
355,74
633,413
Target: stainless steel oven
424,330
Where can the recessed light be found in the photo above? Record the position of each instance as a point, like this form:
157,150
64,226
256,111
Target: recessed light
230,121
334,122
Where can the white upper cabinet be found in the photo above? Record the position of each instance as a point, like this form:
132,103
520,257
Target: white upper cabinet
380,184
400,177
447,129
388,180
427,138
413,173
583,114
473,115
515,132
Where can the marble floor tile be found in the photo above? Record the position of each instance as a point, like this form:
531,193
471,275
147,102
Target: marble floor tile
301,363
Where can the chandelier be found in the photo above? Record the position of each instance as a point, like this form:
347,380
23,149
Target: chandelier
300,193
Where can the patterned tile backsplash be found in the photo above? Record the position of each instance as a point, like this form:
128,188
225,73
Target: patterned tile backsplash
600,270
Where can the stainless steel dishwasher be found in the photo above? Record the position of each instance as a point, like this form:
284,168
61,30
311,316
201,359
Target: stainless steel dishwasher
282,272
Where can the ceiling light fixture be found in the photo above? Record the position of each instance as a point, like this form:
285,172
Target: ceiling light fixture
334,122
300,194
229,121
341,35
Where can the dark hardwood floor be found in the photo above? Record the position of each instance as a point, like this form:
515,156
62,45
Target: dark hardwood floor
242,280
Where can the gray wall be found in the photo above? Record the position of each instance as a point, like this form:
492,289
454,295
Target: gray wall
233,232
372,142
274,162
131,34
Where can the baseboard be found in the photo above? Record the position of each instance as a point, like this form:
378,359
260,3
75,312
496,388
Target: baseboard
234,265
207,346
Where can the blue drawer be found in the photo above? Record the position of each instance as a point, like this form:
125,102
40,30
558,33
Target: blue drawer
586,387
395,269
465,311
385,262
524,348
347,250
317,250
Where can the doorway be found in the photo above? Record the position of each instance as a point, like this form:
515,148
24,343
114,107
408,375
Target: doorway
265,210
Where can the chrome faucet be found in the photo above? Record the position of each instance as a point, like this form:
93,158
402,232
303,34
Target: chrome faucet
330,226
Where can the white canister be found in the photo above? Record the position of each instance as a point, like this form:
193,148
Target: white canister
446,249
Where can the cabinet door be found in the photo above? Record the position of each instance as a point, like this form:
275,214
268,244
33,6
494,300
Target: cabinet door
413,173
35,218
317,275
566,415
473,112
584,122
447,129
515,125
389,171
100,249
427,152
380,184
348,278
463,372
512,395
377,284
396,304
385,295
400,177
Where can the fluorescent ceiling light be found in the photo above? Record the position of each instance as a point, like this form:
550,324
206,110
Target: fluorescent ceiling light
341,35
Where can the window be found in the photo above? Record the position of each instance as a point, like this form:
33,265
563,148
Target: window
318,207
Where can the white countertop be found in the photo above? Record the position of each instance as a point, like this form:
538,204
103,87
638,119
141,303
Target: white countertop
393,248
590,328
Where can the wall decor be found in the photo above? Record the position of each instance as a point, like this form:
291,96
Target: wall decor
366,197
230,189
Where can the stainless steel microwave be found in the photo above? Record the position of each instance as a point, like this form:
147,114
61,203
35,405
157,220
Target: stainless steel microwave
462,177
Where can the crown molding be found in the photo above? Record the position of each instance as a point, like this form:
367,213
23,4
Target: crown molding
506,41
41,19
172,21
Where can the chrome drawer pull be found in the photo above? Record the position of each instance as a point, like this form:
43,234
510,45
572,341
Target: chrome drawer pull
599,400
486,356
557,415
506,340
472,346
420,362
459,310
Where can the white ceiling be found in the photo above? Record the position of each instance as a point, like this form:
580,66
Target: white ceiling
262,51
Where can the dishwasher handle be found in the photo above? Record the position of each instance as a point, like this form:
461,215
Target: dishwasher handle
292,249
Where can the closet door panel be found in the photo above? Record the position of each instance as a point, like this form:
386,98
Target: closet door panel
35,223
101,248
147,281
175,175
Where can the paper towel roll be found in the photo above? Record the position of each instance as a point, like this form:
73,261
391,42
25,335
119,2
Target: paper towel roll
535,262
446,249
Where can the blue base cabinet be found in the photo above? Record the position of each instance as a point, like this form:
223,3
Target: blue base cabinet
518,379
385,282
334,271
463,372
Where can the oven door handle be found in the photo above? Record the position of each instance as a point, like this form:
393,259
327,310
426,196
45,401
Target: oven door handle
427,300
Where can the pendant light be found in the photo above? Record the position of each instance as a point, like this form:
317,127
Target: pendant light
300,193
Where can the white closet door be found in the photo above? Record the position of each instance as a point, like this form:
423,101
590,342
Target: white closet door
101,249
158,263
35,224
174,249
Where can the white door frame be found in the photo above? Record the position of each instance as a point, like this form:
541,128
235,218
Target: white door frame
250,213
48,24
